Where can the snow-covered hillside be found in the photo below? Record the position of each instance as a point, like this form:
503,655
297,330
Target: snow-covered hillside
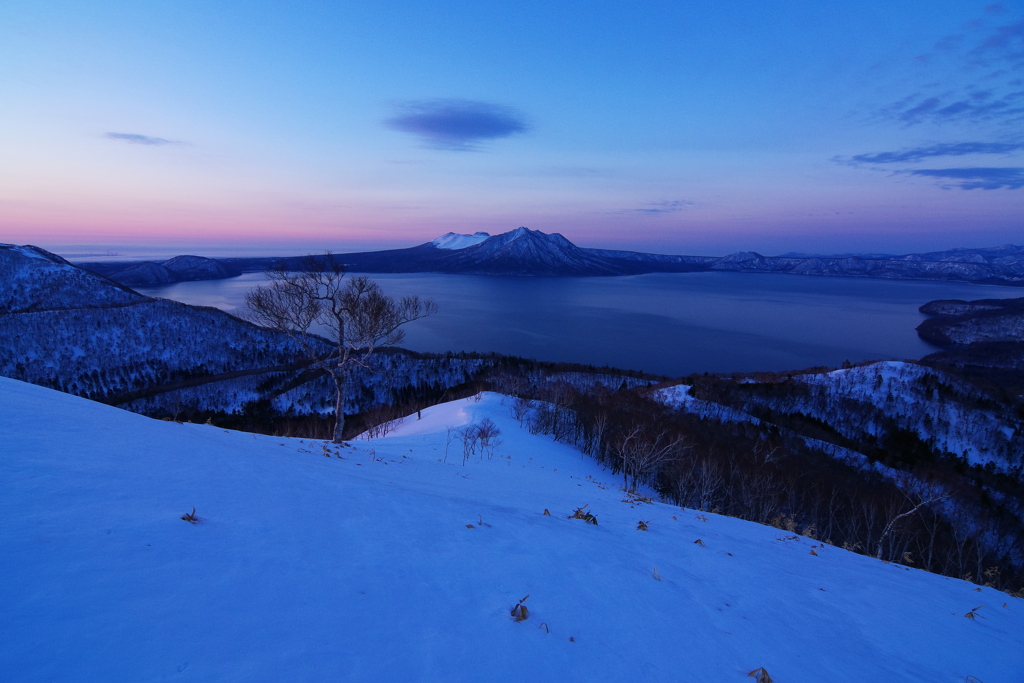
963,322
394,560
105,352
67,328
289,394
33,279
928,402
868,402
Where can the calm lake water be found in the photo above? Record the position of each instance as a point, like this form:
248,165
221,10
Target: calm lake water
672,324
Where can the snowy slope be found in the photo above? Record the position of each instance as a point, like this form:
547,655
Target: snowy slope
452,240
364,567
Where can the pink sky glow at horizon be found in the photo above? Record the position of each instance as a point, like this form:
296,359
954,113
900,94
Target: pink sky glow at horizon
691,128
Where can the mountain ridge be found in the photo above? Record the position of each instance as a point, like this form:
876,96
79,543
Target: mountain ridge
526,252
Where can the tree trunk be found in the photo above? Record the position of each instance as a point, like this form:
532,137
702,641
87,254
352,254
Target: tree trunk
339,425
339,409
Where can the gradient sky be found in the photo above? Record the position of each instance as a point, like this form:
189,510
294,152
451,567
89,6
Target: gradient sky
677,127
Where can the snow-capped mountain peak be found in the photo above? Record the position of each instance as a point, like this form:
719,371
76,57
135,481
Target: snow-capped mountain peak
554,240
531,252
453,240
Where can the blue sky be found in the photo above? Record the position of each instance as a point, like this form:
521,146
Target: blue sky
681,127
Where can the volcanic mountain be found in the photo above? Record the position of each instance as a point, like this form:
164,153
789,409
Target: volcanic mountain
532,252
519,252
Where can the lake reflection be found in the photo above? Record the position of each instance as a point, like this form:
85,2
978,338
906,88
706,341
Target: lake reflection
666,323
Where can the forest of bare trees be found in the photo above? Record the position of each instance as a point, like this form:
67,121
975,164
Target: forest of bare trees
926,510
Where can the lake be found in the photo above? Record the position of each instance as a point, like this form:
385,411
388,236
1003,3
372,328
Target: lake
666,323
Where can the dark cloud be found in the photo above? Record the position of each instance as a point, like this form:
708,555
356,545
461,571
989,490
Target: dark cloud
975,178
136,139
457,125
942,150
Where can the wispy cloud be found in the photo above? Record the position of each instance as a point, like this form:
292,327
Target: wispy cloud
971,105
655,208
457,125
955,149
989,58
136,139
967,178
1005,44
975,178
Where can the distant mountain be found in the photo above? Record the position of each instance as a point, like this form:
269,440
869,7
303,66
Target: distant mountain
1004,255
800,254
531,252
521,252
1004,266
151,273
525,252
198,268
145,274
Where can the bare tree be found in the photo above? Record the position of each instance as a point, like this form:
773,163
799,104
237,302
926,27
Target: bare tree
483,436
357,316
919,496
643,450
487,434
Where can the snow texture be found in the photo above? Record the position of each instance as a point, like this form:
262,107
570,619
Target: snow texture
452,240
387,561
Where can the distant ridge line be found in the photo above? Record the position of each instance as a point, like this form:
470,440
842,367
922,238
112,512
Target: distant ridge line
526,252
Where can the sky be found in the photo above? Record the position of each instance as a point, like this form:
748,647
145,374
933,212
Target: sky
676,127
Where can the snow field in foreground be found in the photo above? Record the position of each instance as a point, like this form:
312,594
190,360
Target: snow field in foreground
365,568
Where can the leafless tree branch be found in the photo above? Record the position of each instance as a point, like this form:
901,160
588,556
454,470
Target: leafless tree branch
357,315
